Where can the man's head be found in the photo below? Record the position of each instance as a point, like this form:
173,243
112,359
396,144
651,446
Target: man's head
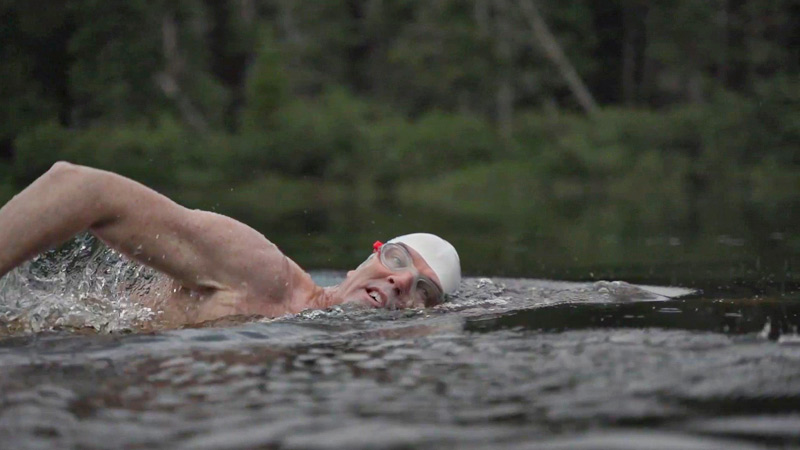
413,270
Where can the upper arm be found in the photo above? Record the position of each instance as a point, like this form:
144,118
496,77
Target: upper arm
200,249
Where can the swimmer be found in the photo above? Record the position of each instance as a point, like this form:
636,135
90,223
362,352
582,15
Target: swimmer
217,266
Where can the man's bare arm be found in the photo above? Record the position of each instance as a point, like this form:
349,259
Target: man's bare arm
202,250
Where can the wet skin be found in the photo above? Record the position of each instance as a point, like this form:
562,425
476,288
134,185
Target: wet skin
215,266
179,305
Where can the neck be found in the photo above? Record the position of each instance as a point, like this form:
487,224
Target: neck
316,298
331,296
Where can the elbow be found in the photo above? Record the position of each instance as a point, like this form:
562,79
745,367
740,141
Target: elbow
63,167
65,176
63,171
79,185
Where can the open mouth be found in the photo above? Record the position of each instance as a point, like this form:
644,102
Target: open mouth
375,296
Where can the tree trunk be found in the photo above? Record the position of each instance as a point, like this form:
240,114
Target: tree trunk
694,86
629,36
480,13
286,20
505,88
555,54
505,108
247,12
169,79
724,30
647,80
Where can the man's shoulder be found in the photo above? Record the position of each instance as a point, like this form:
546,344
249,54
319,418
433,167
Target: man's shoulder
278,287
267,271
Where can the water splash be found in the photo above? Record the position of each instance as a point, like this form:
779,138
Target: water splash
80,285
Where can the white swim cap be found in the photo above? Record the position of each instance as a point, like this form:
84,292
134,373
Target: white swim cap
439,254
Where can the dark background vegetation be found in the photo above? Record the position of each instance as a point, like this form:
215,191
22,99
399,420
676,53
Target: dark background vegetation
646,140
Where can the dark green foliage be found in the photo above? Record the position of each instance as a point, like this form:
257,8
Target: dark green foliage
439,142
134,150
264,109
266,87
115,60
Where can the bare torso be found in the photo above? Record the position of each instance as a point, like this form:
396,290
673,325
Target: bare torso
174,304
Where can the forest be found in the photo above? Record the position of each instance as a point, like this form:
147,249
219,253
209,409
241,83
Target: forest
567,139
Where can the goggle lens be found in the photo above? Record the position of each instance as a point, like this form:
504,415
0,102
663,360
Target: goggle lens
395,257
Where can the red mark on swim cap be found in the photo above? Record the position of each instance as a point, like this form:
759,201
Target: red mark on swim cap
376,246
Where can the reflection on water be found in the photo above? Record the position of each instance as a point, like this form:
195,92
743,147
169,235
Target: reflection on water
774,318
507,364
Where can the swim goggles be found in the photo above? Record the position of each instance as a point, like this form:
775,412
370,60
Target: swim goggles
397,258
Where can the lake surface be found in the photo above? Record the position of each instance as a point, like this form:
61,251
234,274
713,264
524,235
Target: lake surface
507,363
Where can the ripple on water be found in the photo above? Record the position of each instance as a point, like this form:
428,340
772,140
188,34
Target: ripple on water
508,388
638,440
506,364
765,427
375,434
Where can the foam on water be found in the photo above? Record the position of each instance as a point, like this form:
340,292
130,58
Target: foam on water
83,284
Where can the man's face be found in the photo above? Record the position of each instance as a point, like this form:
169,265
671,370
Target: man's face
374,285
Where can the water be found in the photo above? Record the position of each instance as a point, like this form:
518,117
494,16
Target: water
83,284
508,363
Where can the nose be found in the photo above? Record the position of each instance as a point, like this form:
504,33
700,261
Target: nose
401,282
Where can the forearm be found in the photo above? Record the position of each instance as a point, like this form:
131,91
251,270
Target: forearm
51,210
202,250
